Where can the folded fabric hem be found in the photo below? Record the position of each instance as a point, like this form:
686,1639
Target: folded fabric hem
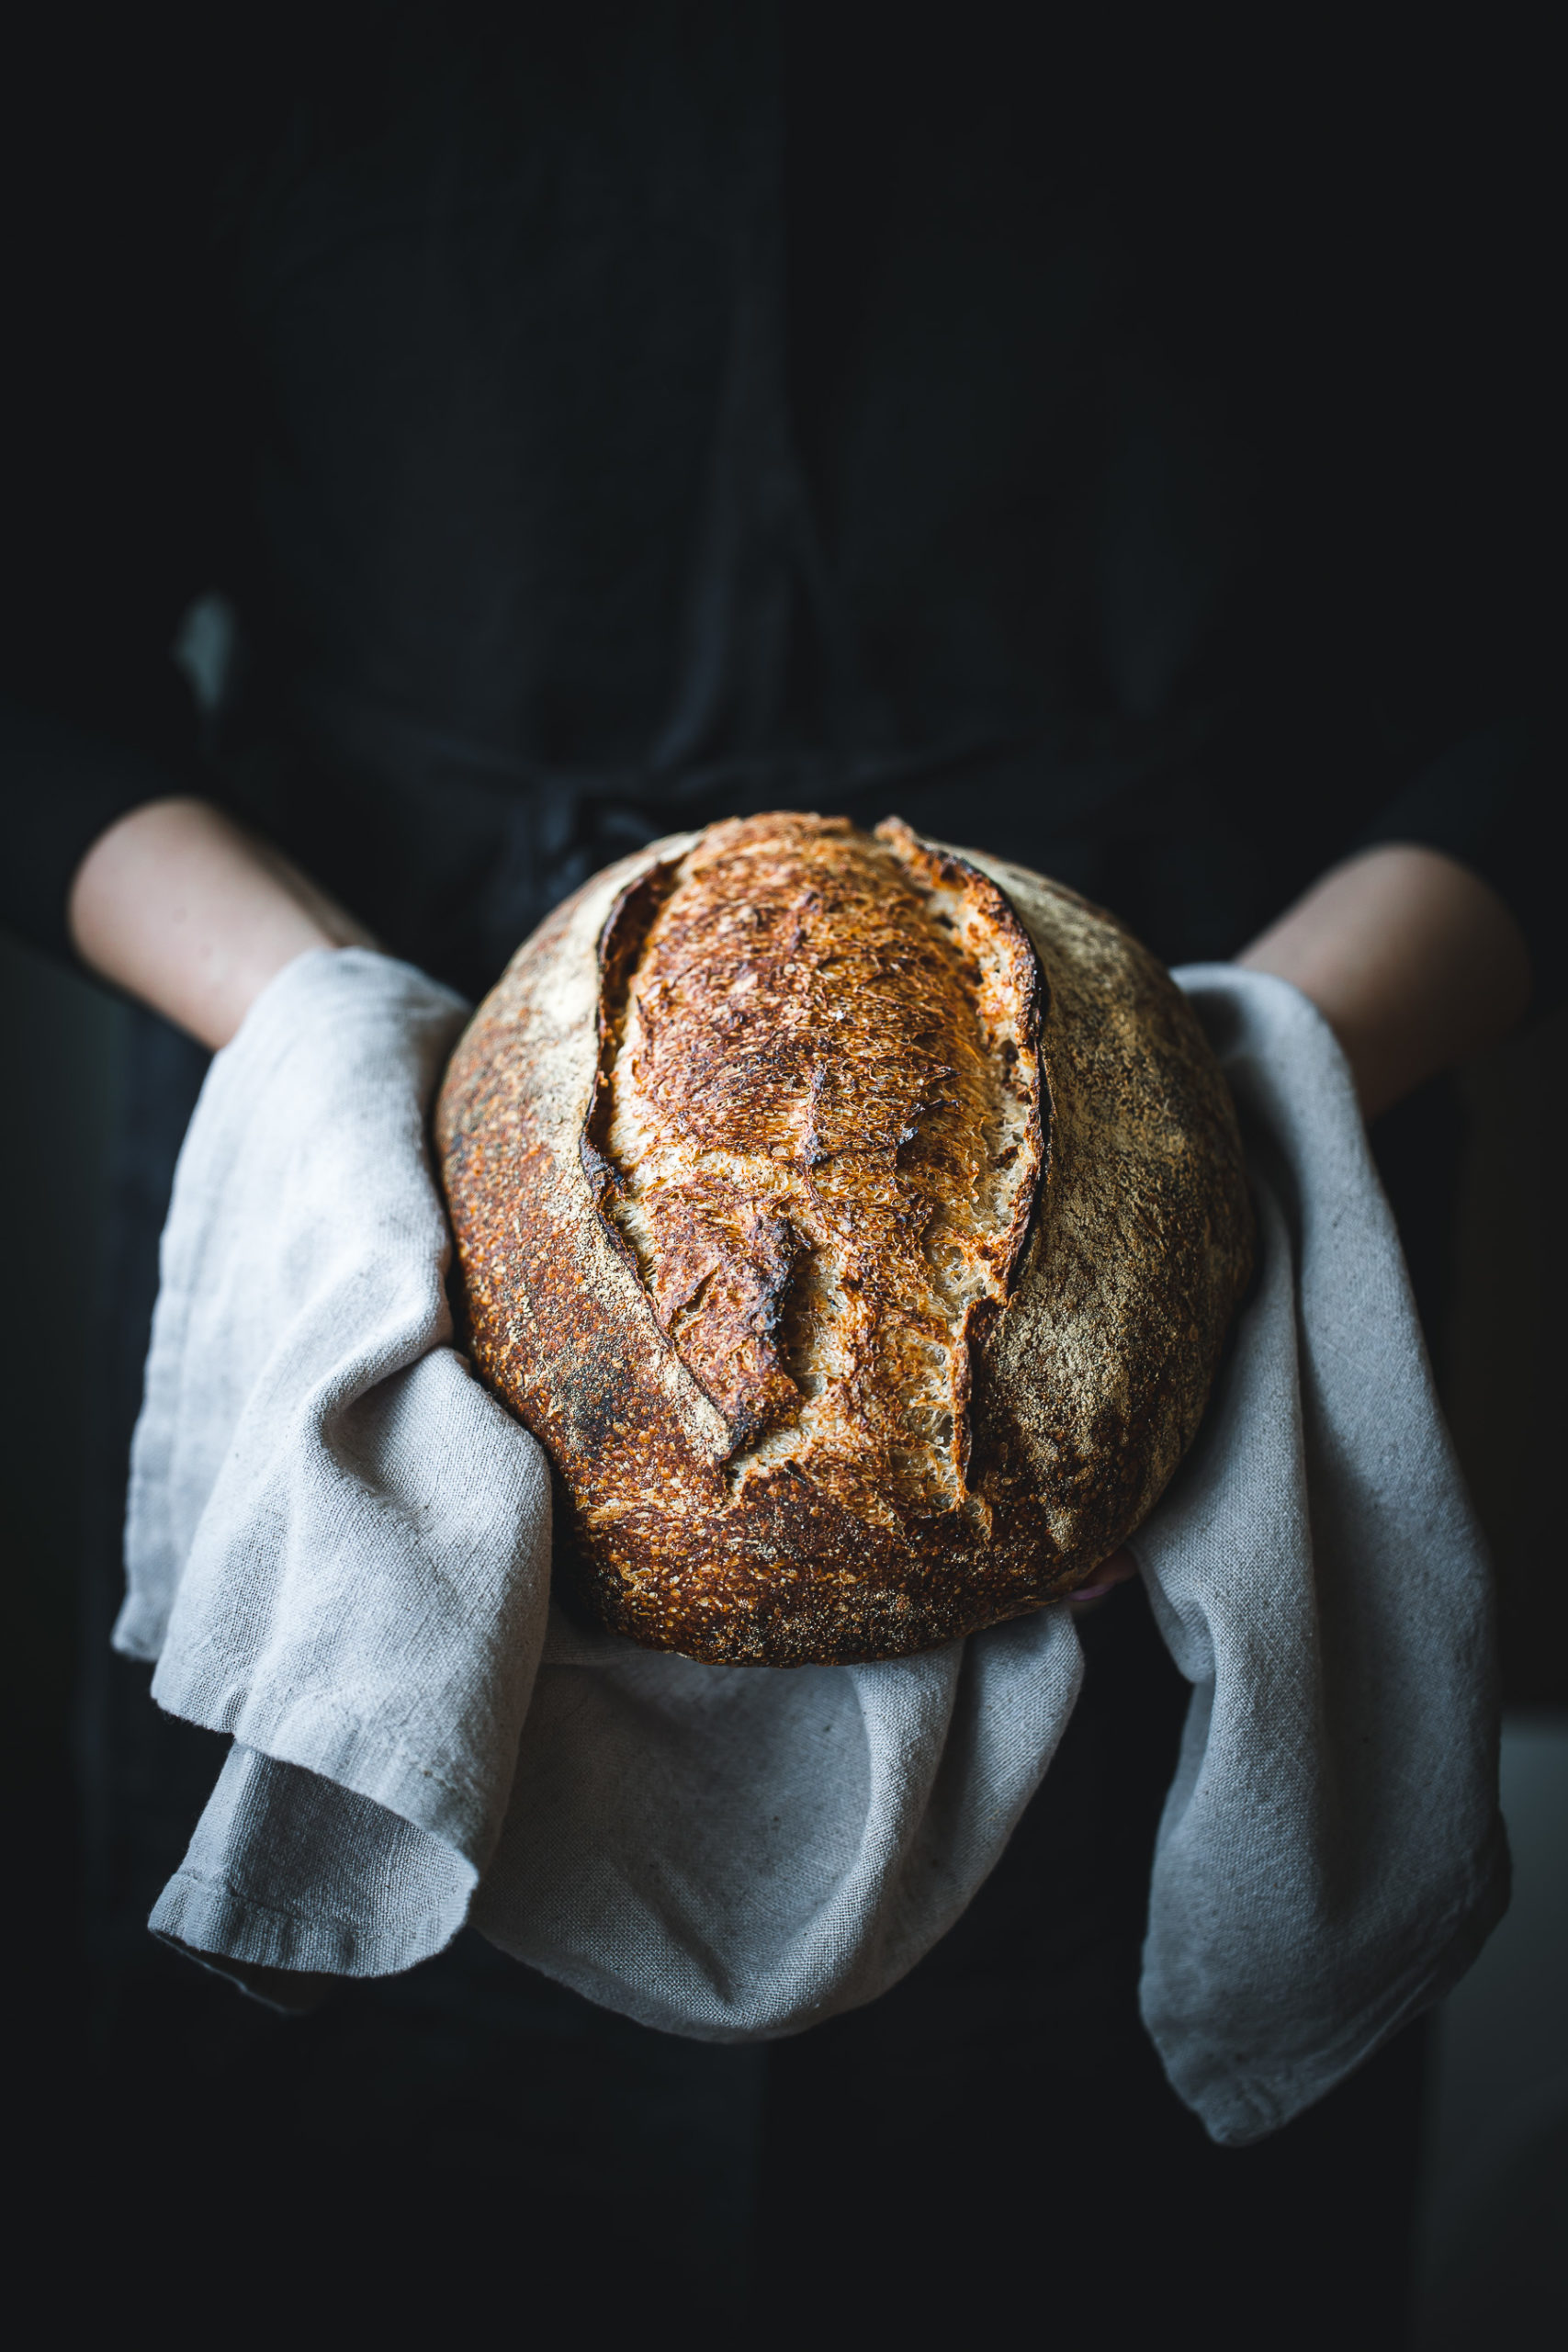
286,1993
1253,2108
133,1636
214,1922
370,1763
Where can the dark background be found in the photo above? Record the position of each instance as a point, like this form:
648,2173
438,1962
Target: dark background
1470,279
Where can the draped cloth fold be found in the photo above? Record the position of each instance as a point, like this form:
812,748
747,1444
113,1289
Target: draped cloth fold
338,1551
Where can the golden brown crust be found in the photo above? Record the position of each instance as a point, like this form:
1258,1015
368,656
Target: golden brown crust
839,1355
817,1133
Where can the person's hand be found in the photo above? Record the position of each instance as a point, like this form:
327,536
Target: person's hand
1414,961
1119,1569
179,906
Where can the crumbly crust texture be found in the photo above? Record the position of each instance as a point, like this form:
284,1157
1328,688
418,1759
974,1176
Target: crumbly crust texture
856,1222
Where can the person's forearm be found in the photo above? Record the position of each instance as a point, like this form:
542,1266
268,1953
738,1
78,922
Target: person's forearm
1413,960
180,907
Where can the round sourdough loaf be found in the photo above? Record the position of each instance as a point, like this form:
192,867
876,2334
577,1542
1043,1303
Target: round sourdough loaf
857,1225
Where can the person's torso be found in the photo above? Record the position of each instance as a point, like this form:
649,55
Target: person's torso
659,414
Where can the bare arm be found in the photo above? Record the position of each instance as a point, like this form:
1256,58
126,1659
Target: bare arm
182,907
1413,960
1414,963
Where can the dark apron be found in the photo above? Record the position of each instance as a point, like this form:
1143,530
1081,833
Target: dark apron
909,508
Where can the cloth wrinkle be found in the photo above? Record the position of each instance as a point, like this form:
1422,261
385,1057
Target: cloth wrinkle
338,1551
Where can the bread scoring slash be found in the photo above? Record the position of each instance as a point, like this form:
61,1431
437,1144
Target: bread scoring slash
857,1224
